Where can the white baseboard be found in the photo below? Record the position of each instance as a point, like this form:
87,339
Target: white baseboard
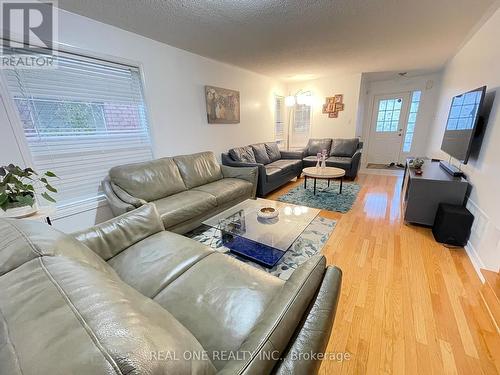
475,260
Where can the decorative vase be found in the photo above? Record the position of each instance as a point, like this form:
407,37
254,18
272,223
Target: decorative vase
318,160
323,159
20,212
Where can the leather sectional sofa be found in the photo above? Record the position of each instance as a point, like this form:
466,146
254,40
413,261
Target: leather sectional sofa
343,153
275,167
185,189
128,297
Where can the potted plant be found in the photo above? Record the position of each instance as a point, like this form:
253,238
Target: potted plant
17,190
417,165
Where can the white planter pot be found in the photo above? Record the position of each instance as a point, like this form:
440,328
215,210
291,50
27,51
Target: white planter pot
19,212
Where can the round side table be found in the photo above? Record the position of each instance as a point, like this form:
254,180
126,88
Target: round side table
327,173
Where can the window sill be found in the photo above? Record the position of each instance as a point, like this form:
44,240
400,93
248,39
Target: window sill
79,207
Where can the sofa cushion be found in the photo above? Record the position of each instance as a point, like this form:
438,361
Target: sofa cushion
227,189
181,207
198,169
65,316
273,151
115,235
243,154
260,153
339,162
344,147
17,246
150,180
287,165
220,300
152,264
310,161
273,173
317,145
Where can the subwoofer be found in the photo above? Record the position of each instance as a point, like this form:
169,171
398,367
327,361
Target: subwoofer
452,225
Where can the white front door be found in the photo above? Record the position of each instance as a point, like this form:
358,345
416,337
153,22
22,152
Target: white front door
387,128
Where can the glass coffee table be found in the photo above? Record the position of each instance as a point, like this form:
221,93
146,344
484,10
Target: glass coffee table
263,241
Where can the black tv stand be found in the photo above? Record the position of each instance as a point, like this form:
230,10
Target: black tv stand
423,192
451,169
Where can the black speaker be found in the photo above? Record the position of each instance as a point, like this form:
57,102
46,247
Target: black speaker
452,225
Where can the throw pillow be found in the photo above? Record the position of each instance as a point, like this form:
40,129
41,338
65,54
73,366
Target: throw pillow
243,154
260,152
273,151
344,147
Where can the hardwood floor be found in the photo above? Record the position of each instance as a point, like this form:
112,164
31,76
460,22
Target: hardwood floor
408,304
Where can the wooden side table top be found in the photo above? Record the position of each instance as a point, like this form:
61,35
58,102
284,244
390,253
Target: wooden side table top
327,172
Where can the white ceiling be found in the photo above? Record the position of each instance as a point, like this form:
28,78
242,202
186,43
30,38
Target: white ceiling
301,39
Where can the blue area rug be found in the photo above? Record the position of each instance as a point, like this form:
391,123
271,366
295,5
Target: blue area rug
326,198
309,243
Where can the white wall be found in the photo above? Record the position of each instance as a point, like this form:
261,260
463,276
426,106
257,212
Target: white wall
477,64
428,84
174,88
321,125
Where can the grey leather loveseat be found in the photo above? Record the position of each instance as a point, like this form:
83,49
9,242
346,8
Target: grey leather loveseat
185,189
342,153
276,167
128,297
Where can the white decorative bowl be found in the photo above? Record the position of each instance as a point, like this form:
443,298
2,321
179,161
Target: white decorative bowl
268,213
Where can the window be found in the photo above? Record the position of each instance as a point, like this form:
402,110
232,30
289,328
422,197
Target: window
302,118
301,125
412,119
389,112
81,119
279,121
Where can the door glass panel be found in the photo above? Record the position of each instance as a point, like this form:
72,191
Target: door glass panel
389,113
412,119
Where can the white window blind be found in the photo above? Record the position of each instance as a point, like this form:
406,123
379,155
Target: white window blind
279,120
80,119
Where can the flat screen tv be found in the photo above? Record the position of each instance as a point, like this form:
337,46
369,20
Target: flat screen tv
462,124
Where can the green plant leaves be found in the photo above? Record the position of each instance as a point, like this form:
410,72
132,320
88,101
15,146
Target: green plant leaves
48,197
3,199
51,188
25,200
17,186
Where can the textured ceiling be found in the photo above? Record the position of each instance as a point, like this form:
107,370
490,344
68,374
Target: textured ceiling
301,39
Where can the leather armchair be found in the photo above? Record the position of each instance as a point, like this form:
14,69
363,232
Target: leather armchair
126,296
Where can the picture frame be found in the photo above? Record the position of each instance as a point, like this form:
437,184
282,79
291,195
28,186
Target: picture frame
223,105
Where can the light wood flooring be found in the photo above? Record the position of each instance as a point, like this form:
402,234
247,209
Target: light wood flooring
408,304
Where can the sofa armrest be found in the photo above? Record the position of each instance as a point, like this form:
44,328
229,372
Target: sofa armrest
356,162
271,336
113,236
296,155
227,160
117,206
126,197
313,333
249,174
